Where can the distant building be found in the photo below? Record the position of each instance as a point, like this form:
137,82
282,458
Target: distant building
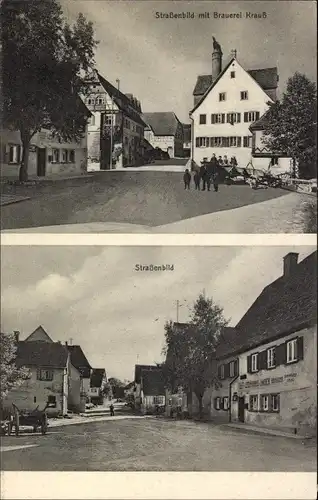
98,385
226,102
153,393
164,131
186,140
53,379
116,127
47,154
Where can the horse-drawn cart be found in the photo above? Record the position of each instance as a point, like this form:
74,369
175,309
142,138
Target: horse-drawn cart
37,419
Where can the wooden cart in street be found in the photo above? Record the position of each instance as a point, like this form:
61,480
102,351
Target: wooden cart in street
37,419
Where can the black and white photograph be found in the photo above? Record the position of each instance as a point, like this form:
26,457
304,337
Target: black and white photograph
158,116
157,359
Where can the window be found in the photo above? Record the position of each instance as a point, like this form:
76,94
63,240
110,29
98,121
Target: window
218,118
274,162
232,74
222,372
244,95
271,357
91,120
217,403
291,355
108,119
14,153
275,402
233,118
222,96
72,156
158,400
225,403
254,362
55,155
34,399
232,369
64,156
44,374
202,142
253,403
51,401
235,142
202,119
247,141
251,116
265,402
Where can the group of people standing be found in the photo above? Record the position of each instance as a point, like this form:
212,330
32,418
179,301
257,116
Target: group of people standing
208,173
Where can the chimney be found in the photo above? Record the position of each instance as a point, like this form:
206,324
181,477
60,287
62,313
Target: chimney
233,53
290,263
216,59
16,335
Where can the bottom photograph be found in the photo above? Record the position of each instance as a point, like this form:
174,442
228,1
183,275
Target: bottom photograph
158,358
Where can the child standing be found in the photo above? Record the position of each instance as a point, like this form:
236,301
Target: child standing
187,179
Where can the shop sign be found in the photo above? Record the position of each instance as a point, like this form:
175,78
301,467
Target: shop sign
289,377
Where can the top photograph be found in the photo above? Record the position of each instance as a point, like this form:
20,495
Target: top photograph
158,117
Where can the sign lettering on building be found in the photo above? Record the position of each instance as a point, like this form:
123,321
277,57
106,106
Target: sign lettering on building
268,381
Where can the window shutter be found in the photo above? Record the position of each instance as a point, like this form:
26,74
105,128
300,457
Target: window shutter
262,360
219,371
257,115
238,115
197,142
246,117
221,404
249,364
236,368
212,119
223,117
300,348
281,354
227,370
228,118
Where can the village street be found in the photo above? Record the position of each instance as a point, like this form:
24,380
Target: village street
151,201
150,444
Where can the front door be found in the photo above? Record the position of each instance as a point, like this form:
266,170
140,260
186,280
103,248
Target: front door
41,162
241,409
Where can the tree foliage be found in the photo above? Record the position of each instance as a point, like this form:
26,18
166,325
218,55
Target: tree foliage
190,348
291,125
45,65
10,374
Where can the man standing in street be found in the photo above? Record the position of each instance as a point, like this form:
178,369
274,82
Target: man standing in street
112,412
205,177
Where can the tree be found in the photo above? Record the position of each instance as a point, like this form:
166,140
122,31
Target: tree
46,62
10,374
190,349
291,125
117,387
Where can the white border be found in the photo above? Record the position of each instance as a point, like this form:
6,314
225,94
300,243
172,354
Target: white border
158,485
159,240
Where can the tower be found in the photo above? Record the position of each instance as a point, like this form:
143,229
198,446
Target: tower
216,59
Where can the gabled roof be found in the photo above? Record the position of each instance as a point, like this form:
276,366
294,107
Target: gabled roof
79,360
266,78
122,101
153,383
38,353
284,306
162,122
39,334
97,376
139,368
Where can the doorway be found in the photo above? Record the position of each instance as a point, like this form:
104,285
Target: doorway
241,409
41,162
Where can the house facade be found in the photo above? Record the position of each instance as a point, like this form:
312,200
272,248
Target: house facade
164,131
98,384
267,370
47,154
115,129
152,390
80,362
226,103
53,380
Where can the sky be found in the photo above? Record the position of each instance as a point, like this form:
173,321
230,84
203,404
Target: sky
158,60
94,295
